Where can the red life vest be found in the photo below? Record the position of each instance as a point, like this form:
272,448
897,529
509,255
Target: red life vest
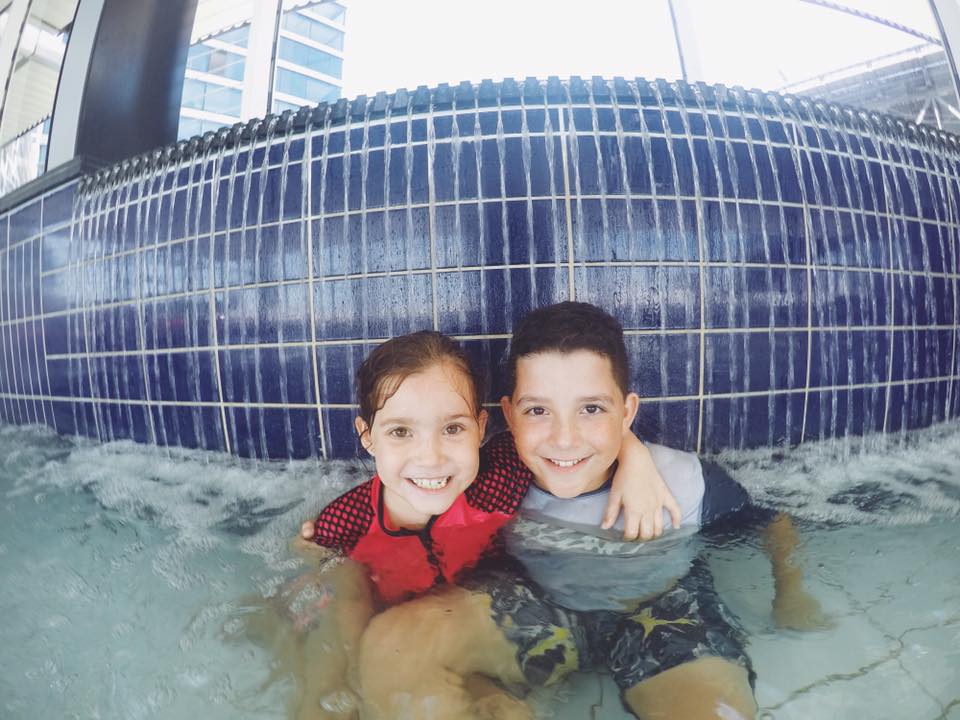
407,562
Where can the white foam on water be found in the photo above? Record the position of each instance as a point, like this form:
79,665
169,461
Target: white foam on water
894,480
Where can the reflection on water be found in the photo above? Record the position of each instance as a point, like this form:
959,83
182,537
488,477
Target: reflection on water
125,572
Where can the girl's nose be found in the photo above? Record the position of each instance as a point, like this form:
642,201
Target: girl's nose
430,451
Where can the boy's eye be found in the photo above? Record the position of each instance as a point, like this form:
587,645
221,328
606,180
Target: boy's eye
399,432
593,409
536,411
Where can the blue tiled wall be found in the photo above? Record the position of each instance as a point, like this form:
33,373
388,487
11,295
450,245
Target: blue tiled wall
785,271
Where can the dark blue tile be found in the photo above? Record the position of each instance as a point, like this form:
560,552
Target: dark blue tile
638,166
337,368
745,185
25,222
58,206
376,307
921,354
293,151
56,248
683,167
457,235
672,235
64,417
516,179
753,421
584,173
672,423
419,176
751,362
397,175
755,297
662,167
353,181
490,170
304,433
500,297
488,358
467,163
340,438
664,365
398,132
57,292
848,358
643,297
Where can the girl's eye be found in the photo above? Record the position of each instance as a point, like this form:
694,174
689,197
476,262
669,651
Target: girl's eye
536,411
455,429
399,432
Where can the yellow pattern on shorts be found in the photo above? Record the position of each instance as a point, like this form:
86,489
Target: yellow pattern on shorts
559,637
649,623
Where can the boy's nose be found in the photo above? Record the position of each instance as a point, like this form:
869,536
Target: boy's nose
564,433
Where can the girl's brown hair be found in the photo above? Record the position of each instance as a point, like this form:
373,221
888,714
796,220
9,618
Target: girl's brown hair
394,361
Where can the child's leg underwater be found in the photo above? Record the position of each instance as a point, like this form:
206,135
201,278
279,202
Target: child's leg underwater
433,657
706,688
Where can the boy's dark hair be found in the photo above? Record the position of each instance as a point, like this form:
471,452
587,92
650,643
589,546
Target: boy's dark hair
564,328
381,373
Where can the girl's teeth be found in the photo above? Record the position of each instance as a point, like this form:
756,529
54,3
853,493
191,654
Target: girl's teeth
565,463
430,483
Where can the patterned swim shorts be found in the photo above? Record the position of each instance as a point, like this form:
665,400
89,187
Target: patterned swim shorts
686,622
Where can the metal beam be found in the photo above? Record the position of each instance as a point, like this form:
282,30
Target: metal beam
947,15
10,42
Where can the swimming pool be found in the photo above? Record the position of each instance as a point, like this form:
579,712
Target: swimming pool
125,572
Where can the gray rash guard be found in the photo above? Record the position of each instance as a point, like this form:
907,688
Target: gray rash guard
581,567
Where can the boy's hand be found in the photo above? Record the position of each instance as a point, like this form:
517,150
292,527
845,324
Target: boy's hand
642,494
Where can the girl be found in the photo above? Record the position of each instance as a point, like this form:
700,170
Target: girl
433,508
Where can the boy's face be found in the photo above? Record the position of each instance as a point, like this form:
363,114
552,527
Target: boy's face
568,419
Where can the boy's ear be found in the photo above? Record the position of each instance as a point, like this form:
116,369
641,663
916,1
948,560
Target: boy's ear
507,408
631,406
363,430
482,418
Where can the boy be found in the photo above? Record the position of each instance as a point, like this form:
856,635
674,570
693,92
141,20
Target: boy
646,612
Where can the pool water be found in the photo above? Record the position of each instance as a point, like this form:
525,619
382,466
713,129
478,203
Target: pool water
125,570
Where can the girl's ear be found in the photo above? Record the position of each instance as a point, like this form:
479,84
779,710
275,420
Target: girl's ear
631,405
363,430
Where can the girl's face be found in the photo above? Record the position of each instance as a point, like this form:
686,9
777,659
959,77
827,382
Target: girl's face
426,443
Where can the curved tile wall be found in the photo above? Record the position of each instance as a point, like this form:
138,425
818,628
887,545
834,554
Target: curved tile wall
785,270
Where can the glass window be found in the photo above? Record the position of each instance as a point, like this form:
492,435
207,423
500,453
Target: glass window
215,61
210,97
310,58
310,89
31,91
239,36
330,10
316,31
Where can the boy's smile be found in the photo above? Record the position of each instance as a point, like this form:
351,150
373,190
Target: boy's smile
568,417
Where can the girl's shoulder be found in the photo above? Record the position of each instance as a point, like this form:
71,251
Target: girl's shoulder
344,521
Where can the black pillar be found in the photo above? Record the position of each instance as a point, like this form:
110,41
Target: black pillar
131,102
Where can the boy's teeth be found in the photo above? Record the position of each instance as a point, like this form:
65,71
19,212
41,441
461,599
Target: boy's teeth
430,483
565,463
